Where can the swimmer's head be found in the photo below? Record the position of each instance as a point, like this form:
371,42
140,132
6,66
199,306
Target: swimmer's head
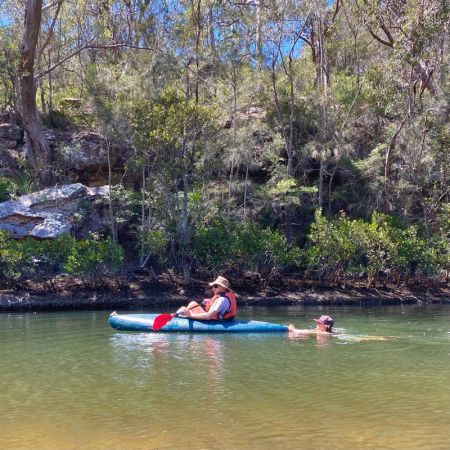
327,321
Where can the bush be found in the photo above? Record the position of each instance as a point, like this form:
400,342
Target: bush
7,189
222,246
212,245
155,242
94,256
30,257
347,246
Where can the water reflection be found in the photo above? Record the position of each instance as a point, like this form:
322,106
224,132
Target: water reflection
322,340
155,350
73,382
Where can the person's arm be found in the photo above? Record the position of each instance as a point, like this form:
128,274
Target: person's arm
213,312
300,332
207,315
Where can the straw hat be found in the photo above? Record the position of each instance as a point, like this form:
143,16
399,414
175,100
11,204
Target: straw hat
221,281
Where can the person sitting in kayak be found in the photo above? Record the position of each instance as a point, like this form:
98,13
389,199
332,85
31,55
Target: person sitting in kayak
222,305
324,325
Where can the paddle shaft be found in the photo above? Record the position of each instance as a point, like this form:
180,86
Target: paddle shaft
163,319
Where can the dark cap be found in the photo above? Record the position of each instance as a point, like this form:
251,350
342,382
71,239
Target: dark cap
327,320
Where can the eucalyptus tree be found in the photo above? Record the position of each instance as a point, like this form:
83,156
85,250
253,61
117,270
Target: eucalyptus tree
169,129
46,46
412,38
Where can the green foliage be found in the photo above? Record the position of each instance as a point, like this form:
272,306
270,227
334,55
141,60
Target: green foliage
345,246
206,114
94,256
221,245
32,257
10,257
7,189
155,242
168,120
212,244
126,204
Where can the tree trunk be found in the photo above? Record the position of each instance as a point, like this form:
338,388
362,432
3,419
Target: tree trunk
330,185
198,32
245,191
111,208
388,167
321,174
39,150
143,228
184,224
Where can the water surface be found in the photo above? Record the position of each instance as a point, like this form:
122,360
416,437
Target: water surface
68,381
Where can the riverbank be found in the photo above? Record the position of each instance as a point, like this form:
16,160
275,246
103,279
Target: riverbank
137,292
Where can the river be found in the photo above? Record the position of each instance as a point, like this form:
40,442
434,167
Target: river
69,381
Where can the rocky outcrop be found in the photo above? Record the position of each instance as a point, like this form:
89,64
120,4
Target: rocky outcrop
54,211
83,157
10,143
80,156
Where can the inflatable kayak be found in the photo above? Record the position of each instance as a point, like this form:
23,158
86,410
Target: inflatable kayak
144,322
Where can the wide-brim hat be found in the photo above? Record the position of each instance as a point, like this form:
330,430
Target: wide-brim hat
327,320
221,281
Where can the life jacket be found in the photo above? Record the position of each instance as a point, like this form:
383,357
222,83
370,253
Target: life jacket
231,312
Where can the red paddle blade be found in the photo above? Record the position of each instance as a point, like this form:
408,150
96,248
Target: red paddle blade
161,320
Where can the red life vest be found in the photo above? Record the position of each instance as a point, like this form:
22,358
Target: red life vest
231,312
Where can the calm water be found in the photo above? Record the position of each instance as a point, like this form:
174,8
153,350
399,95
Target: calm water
68,381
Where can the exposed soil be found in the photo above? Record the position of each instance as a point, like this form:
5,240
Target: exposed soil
136,291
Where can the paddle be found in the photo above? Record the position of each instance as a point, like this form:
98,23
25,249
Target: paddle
162,320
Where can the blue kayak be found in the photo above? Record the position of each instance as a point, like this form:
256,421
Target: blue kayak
144,322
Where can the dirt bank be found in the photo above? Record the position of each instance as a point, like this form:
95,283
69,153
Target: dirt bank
137,292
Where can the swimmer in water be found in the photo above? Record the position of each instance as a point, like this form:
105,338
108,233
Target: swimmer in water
324,326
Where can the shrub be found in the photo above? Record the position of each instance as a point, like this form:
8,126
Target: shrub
155,242
345,246
212,244
7,189
30,257
94,256
221,246
10,257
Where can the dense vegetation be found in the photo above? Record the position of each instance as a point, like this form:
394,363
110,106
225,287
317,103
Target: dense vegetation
302,136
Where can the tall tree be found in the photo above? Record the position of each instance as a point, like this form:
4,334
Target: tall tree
39,150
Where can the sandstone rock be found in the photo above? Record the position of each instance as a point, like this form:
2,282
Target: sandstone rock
48,213
81,156
7,144
10,131
9,162
71,102
83,151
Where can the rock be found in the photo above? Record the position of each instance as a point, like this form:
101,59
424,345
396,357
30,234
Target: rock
55,137
70,102
83,152
10,131
49,213
9,162
81,156
7,144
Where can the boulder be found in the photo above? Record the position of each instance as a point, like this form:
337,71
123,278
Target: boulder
10,132
51,212
9,162
84,151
